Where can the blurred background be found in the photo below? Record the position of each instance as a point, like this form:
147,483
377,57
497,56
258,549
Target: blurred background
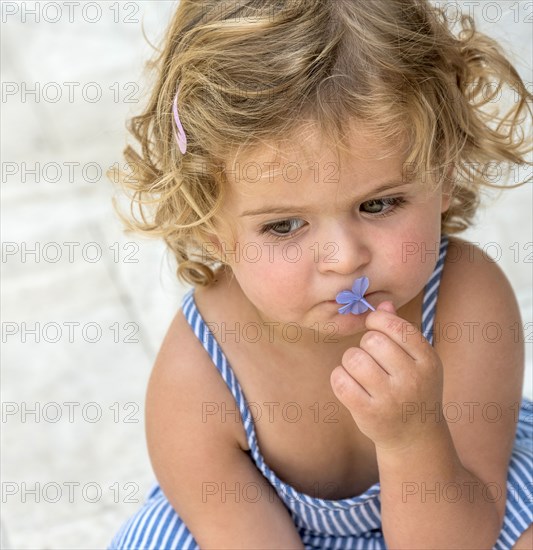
84,305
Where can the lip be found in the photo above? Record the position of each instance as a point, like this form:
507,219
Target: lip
365,296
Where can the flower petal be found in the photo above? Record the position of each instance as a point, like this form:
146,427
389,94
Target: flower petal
360,286
346,309
345,297
368,305
358,308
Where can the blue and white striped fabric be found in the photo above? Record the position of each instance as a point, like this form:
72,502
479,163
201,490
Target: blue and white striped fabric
351,523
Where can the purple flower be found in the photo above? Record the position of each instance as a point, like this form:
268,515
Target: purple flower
355,303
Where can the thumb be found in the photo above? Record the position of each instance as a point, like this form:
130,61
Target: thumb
387,306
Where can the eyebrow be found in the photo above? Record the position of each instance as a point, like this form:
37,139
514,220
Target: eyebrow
288,209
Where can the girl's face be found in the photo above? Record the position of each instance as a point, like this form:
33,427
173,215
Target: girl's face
305,228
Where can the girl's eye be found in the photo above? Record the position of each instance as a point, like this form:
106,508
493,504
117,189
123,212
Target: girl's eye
283,228
394,203
286,228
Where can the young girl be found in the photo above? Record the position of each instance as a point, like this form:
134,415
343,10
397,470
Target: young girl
293,150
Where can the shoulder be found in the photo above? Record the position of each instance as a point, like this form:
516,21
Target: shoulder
184,381
464,255
474,285
477,310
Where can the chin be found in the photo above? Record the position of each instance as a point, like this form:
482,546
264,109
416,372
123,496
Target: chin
342,325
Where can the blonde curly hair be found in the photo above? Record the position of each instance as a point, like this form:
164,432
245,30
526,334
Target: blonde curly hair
250,71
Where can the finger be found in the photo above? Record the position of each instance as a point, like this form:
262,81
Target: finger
347,389
403,333
365,370
385,352
387,305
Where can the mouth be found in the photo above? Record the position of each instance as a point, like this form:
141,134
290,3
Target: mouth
366,296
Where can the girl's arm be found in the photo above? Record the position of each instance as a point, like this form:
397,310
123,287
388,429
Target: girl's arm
208,479
449,491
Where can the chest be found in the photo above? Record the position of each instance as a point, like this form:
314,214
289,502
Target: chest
311,442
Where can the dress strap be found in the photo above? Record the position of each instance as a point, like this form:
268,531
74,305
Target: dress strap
429,303
207,339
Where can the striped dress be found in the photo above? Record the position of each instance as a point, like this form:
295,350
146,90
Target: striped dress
350,523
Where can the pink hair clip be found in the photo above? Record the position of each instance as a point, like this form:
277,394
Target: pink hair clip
355,303
181,138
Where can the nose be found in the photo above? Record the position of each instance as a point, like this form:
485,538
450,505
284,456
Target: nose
343,251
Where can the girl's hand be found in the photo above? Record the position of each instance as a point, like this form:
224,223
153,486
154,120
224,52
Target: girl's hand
394,372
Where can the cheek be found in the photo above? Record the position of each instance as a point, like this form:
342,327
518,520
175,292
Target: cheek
411,255
274,275
417,240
